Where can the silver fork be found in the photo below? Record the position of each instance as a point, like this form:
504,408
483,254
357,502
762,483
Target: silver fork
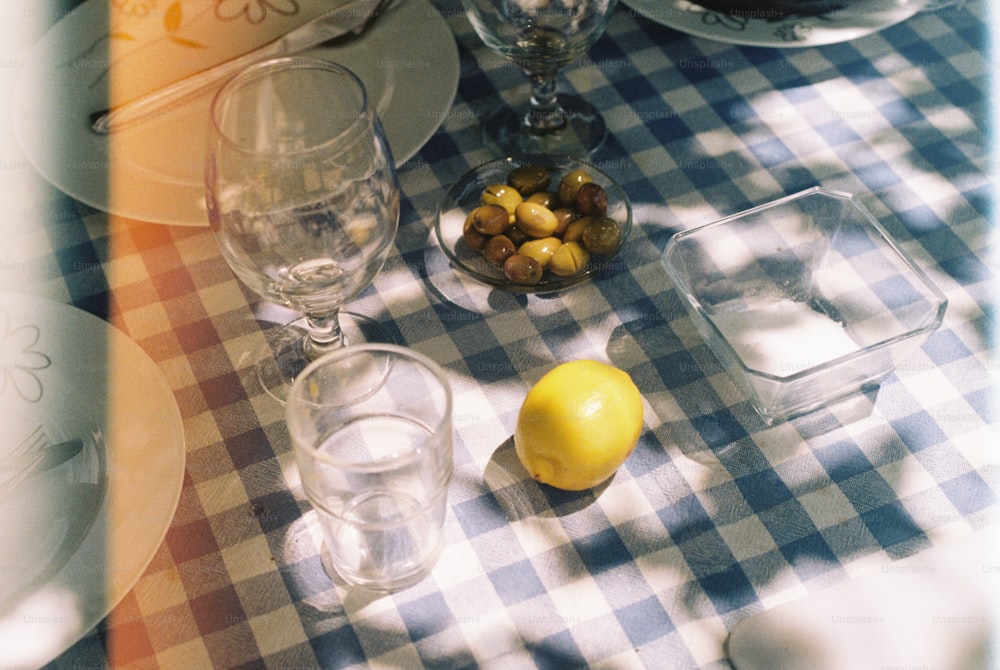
344,21
28,454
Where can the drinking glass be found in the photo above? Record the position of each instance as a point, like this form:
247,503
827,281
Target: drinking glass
303,199
541,37
371,431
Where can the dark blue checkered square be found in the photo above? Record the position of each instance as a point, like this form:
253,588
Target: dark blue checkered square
842,460
516,582
602,551
645,621
728,590
763,490
891,524
685,519
426,616
480,515
811,556
969,493
919,431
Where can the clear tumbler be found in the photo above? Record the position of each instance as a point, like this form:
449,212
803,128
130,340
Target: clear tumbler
372,434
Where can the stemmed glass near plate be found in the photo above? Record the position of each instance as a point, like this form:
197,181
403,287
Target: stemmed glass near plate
303,199
541,37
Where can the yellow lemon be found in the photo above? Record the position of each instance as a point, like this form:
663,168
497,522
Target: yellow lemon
578,424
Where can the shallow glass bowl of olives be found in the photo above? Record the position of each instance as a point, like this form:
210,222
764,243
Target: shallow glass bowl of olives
533,225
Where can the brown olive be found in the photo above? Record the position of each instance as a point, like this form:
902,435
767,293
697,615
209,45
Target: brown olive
570,184
601,236
473,238
529,179
522,270
498,249
564,217
591,200
490,219
516,235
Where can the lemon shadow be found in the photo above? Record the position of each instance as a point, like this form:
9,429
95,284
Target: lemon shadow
520,496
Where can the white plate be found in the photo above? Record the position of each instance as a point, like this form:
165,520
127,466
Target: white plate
837,26
78,536
153,172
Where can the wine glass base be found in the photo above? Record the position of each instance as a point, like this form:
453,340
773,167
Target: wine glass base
505,132
283,356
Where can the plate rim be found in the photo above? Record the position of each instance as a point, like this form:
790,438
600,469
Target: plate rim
179,204
652,10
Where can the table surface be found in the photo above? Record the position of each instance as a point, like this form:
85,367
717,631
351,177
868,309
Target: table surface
716,515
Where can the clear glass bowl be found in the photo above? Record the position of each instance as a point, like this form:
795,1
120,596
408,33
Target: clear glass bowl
805,300
463,197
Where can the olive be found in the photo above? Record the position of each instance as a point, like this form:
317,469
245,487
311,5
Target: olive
591,200
570,184
564,217
490,219
503,195
601,236
574,231
522,270
516,235
535,220
473,238
498,249
569,259
545,198
541,250
529,179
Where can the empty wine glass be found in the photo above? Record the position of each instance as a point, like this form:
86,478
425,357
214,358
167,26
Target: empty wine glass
302,197
541,37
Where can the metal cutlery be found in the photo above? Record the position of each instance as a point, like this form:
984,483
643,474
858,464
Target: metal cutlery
348,20
35,456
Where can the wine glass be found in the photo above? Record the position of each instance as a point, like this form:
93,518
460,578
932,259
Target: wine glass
303,199
541,37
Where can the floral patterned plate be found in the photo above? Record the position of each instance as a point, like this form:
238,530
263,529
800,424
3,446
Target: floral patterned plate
78,534
120,49
773,29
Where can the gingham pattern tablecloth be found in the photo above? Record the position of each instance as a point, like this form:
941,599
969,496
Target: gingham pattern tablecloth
715,516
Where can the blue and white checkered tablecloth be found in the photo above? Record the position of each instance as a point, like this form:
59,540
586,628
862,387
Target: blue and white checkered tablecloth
716,515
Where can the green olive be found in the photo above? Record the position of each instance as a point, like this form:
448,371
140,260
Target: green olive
498,249
546,198
574,231
490,219
529,179
541,250
503,195
591,200
570,184
601,236
535,220
520,269
569,259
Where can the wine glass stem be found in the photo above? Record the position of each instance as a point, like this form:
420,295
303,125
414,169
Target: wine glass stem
544,114
325,334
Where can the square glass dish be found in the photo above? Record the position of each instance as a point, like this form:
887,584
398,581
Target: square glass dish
804,300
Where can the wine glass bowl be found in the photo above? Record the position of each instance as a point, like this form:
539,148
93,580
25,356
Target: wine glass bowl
303,200
541,37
